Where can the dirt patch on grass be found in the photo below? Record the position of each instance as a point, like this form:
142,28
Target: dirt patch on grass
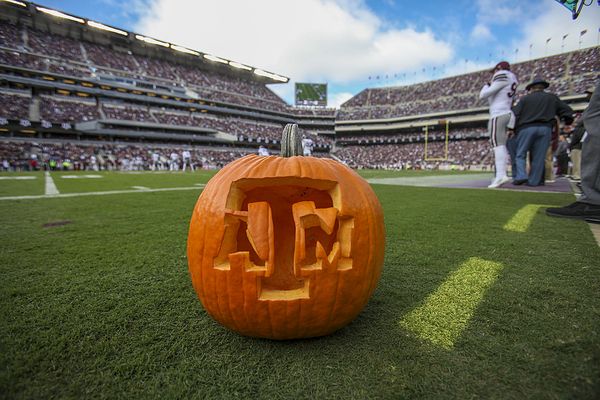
57,223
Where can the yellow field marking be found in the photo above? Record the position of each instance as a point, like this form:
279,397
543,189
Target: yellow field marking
446,313
521,221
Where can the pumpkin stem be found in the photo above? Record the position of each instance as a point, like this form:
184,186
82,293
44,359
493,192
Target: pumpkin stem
291,141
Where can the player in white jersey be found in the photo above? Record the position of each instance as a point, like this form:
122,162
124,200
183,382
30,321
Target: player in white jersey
155,161
263,151
174,163
500,94
187,159
307,146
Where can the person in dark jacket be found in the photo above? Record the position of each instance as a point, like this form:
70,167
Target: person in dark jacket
575,143
562,156
588,205
575,148
535,113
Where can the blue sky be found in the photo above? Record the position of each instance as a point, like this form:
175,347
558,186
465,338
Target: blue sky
353,44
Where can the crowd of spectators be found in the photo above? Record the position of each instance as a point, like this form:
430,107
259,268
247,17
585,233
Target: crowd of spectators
18,156
14,106
463,154
407,108
101,56
98,156
75,109
64,109
83,59
568,73
49,44
247,131
315,112
413,136
128,112
9,33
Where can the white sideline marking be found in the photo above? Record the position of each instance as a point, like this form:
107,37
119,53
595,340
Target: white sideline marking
51,189
81,176
140,187
45,196
18,178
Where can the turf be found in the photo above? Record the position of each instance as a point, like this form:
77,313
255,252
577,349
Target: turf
103,307
9,185
65,182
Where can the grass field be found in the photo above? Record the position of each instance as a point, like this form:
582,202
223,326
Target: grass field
482,296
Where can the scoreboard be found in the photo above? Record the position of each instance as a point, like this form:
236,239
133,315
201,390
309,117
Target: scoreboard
311,94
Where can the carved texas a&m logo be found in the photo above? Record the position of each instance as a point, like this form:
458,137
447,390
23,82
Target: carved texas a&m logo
282,234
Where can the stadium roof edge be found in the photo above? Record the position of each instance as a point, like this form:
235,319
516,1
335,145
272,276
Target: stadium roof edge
33,9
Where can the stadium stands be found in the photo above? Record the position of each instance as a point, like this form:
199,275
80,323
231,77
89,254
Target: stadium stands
463,153
63,109
14,105
568,74
59,82
108,156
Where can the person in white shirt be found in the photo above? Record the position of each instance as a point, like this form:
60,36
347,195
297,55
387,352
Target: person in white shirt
155,161
187,159
263,151
307,145
94,162
500,94
174,164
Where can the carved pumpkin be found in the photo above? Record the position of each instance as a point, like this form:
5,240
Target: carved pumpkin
286,247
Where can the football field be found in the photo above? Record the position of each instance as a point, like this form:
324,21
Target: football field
482,295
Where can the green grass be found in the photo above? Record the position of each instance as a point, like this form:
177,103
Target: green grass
10,186
103,307
125,180
372,173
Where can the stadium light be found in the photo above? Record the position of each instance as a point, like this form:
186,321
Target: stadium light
15,2
59,14
103,27
151,40
276,77
240,66
184,50
215,58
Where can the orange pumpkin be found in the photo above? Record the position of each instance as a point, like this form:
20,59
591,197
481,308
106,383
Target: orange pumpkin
286,247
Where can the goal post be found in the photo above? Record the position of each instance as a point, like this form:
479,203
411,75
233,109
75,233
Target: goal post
447,130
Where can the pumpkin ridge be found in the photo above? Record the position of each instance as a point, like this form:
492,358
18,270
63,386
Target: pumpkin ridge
196,272
372,226
337,280
230,307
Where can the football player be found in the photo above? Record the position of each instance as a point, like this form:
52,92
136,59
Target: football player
500,92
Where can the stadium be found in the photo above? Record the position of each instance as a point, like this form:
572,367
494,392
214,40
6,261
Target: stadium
481,294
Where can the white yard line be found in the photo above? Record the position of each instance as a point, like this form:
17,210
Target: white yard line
51,189
140,187
17,178
46,196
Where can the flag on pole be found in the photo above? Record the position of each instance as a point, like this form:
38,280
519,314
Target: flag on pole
547,40
583,32
565,36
